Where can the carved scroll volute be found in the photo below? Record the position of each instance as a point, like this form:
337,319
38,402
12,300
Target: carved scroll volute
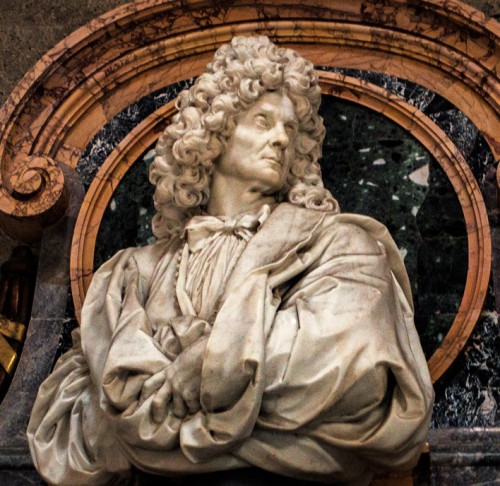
32,196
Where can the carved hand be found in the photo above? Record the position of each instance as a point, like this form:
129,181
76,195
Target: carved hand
179,382
184,375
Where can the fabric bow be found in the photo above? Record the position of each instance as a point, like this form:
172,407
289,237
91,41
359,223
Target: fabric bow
201,228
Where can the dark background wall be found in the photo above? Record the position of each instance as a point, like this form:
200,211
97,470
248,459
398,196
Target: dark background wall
29,28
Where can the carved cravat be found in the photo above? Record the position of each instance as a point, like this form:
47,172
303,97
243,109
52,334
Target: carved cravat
201,229
214,245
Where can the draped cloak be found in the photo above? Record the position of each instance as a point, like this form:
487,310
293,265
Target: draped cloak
313,367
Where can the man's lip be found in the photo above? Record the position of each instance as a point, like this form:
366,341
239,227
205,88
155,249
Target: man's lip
274,160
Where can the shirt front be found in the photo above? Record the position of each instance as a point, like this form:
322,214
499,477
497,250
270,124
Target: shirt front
213,247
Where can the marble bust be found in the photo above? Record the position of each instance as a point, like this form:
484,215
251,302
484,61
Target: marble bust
264,328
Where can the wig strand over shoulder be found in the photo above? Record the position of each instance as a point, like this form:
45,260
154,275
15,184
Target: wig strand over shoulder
238,75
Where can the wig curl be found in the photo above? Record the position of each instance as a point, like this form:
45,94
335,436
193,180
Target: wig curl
239,74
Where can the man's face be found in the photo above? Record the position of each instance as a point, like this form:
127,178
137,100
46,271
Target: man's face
261,147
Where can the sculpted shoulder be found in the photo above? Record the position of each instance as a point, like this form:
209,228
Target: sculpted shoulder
143,258
148,256
352,234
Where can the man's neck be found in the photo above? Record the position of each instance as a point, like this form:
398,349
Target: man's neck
230,196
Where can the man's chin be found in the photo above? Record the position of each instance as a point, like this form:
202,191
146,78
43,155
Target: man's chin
272,187
268,180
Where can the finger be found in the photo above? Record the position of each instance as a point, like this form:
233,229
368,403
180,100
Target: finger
152,384
160,402
179,407
193,405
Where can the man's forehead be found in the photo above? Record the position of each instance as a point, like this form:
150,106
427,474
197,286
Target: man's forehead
275,104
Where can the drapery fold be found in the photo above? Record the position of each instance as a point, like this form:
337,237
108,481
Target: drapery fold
313,367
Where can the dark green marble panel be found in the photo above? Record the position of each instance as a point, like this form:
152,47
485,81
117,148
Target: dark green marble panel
375,167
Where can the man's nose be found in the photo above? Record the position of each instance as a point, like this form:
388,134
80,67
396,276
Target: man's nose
279,137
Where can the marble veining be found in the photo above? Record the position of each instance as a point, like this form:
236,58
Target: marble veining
113,132
472,396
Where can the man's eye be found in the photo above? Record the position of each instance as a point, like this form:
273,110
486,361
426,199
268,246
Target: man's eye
261,121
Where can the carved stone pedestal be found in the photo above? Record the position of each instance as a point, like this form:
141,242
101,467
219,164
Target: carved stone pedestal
465,456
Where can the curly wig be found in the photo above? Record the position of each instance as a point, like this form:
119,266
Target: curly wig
186,151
